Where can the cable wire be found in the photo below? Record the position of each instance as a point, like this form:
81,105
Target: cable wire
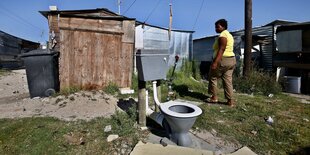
203,1
129,7
152,10
21,19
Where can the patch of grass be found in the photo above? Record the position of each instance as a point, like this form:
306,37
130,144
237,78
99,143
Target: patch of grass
68,91
45,135
258,82
246,123
189,88
3,72
111,89
186,82
124,123
134,82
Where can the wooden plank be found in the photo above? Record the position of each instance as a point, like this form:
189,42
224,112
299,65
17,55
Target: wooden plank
126,64
95,52
129,31
111,26
95,60
64,62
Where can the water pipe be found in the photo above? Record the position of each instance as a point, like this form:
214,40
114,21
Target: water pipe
155,94
156,116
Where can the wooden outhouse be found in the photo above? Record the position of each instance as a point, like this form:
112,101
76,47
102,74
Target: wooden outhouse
96,47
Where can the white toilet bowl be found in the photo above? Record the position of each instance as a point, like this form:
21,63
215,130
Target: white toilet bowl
181,117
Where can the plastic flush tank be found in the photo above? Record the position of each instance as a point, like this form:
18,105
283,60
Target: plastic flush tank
42,72
292,84
152,64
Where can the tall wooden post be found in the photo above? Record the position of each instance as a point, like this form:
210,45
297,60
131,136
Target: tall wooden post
170,22
248,38
141,103
119,6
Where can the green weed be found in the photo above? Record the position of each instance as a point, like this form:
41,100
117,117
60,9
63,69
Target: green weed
68,91
3,72
258,82
111,89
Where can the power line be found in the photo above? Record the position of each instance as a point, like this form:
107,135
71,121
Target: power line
152,11
20,18
203,1
129,6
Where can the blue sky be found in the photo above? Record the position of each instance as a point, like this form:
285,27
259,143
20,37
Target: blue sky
22,19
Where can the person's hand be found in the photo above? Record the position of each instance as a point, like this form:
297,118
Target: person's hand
213,65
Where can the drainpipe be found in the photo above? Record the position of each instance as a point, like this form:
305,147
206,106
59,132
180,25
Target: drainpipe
155,94
156,116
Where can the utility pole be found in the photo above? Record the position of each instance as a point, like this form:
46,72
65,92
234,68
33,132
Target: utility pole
248,38
119,6
170,21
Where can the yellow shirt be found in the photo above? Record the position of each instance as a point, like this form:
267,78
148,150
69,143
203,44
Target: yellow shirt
229,50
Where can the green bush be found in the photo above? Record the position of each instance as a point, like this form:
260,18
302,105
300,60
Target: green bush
134,82
111,89
124,123
257,82
190,69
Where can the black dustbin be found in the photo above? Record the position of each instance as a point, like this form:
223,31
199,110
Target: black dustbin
42,72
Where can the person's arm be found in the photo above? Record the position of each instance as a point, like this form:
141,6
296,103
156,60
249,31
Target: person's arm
222,45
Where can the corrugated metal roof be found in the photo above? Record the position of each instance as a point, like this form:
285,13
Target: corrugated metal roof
28,41
79,14
46,13
295,26
275,22
176,30
280,22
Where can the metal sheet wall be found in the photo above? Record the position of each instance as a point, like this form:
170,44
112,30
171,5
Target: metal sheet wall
203,47
267,45
181,43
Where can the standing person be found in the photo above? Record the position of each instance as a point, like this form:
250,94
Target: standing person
223,64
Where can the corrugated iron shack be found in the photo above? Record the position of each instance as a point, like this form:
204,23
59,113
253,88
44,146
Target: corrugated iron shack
263,41
293,54
96,47
10,49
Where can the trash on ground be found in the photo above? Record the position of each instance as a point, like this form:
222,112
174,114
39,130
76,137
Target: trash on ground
269,120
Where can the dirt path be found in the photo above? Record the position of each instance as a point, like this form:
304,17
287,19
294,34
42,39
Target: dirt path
15,102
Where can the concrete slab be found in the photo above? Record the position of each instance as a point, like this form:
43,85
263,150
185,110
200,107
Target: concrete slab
158,149
201,140
198,143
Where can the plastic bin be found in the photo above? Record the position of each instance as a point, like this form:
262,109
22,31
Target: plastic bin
292,84
42,72
152,64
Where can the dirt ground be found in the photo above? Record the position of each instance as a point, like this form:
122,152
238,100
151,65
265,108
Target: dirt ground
16,103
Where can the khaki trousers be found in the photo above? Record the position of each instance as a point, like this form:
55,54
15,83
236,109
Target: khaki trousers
224,71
